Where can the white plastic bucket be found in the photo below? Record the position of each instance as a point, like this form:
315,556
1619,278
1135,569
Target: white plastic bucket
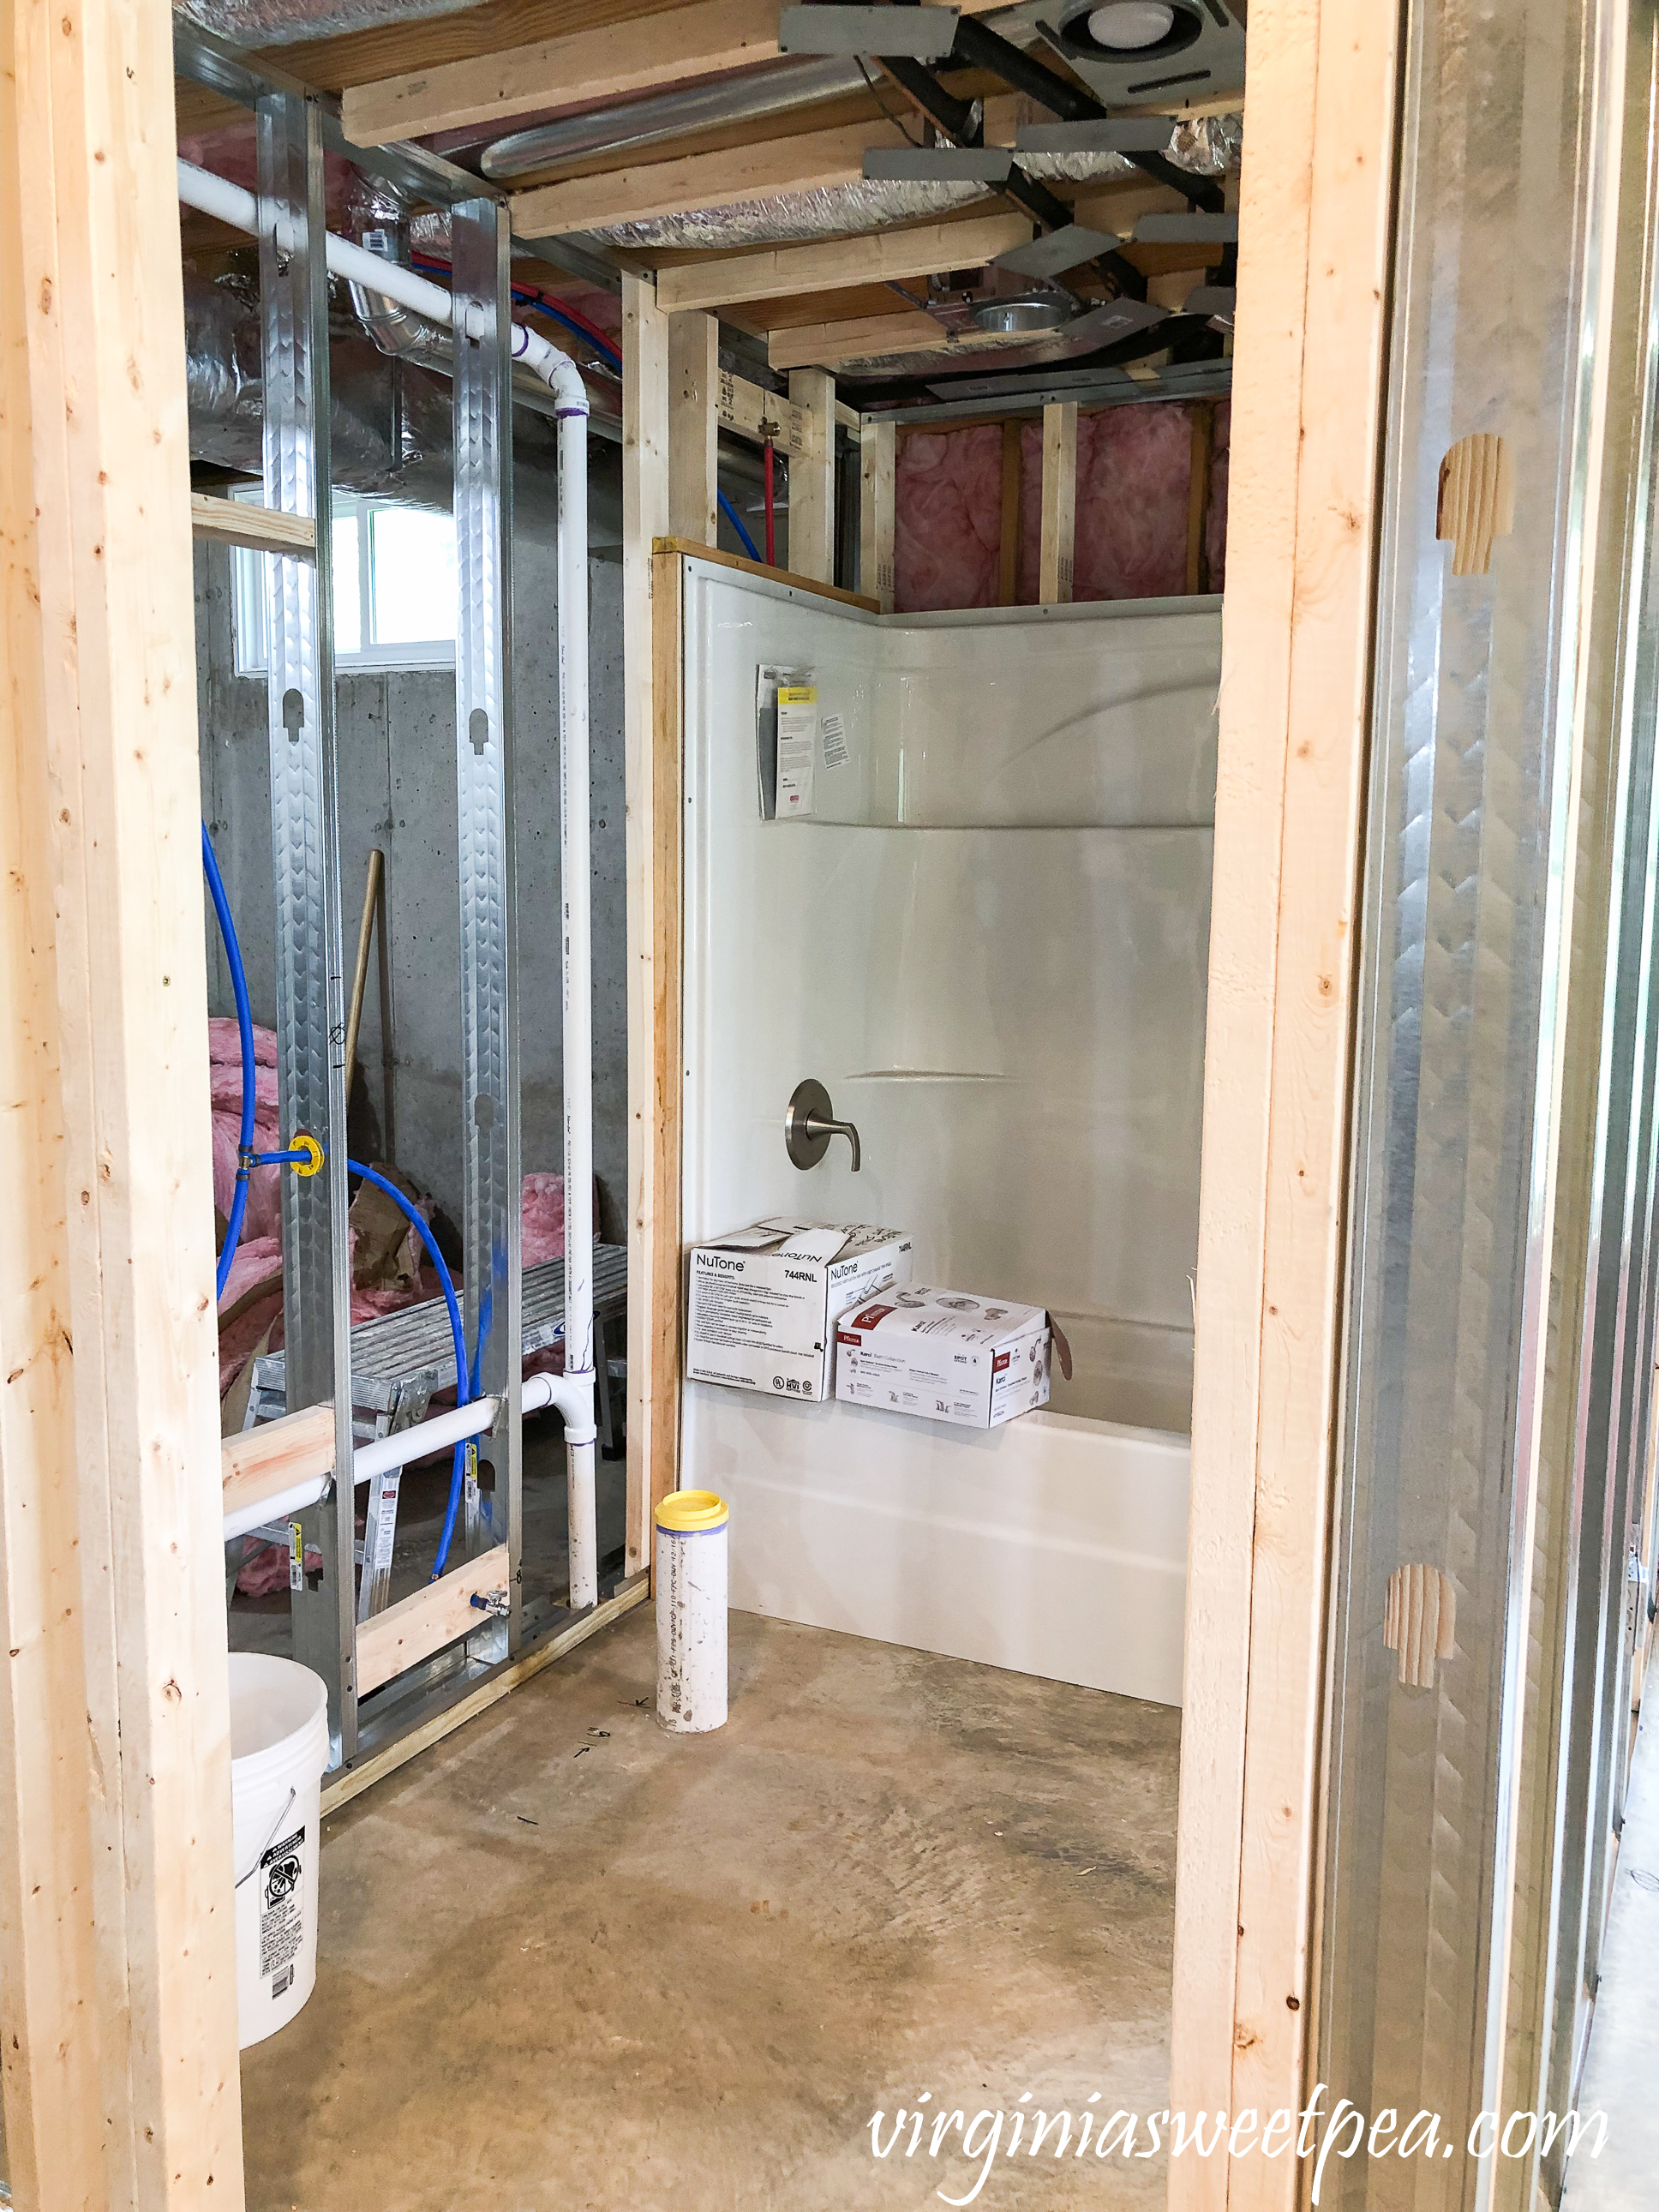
691,1585
278,1749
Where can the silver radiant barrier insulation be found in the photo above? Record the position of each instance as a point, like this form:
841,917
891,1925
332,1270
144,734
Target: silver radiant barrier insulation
291,22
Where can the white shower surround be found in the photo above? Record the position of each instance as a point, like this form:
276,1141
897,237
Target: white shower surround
991,945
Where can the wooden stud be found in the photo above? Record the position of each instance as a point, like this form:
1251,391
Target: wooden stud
1058,502
813,478
1198,497
580,69
652,952
877,474
121,2065
1306,425
836,264
662,1058
1008,548
693,426
239,522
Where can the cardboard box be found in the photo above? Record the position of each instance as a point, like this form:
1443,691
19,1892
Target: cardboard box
943,1356
763,1301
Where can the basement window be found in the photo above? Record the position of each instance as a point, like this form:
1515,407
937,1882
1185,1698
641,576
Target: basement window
394,588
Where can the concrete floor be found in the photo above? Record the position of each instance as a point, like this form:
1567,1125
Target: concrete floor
567,1960
1621,2067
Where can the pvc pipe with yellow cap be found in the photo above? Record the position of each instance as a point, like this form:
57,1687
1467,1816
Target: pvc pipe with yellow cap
692,1597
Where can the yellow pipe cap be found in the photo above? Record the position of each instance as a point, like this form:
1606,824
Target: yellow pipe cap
684,1509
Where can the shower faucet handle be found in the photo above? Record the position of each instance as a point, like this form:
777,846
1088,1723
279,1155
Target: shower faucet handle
810,1122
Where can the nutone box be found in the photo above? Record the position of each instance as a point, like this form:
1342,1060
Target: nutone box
943,1356
763,1301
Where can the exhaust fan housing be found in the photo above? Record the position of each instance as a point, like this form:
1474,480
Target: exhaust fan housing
1133,50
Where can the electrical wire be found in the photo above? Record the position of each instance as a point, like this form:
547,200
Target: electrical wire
897,121
245,1032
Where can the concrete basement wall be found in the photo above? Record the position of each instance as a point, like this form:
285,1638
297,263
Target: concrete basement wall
397,779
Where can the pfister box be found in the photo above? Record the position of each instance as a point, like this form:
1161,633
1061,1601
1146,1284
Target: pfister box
763,1301
944,1356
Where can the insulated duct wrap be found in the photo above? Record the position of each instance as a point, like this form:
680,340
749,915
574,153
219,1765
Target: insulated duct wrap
289,22
790,218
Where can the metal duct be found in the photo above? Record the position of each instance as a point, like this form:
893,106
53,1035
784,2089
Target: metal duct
287,23
391,427
790,218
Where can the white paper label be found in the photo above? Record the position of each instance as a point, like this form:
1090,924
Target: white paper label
798,746
834,742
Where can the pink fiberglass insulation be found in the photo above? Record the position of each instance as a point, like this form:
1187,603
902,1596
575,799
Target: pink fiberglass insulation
1215,521
948,519
1134,474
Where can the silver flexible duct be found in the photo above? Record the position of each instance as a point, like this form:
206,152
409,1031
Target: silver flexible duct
287,23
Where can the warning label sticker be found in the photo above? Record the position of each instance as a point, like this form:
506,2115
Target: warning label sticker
280,1916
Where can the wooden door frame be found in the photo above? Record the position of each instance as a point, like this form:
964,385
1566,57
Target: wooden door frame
1308,409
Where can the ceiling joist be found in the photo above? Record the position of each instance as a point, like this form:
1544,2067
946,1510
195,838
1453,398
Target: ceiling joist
652,54
811,161
887,256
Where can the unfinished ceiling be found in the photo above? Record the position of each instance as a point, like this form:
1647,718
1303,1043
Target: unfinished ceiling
1057,185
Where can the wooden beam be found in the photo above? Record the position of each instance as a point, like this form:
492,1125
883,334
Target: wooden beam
579,69
808,162
790,576
864,338
877,471
652,812
839,263
1307,414
262,1463
763,417
1008,548
813,478
121,2063
664,1055
811,160
693,379
437,1614
1058,502
239,522
1198,497
375,1768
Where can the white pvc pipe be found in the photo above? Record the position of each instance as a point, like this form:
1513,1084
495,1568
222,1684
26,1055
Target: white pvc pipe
232,204
574,890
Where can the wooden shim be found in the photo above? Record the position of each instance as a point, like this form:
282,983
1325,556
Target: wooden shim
262,1463
579,69
375,1768
877,474
651,948
1058,502
1477,500
812,477
1306,425
428,1618
795,581
1008,548
239,522
1198,497
838,263
693,378
90,154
